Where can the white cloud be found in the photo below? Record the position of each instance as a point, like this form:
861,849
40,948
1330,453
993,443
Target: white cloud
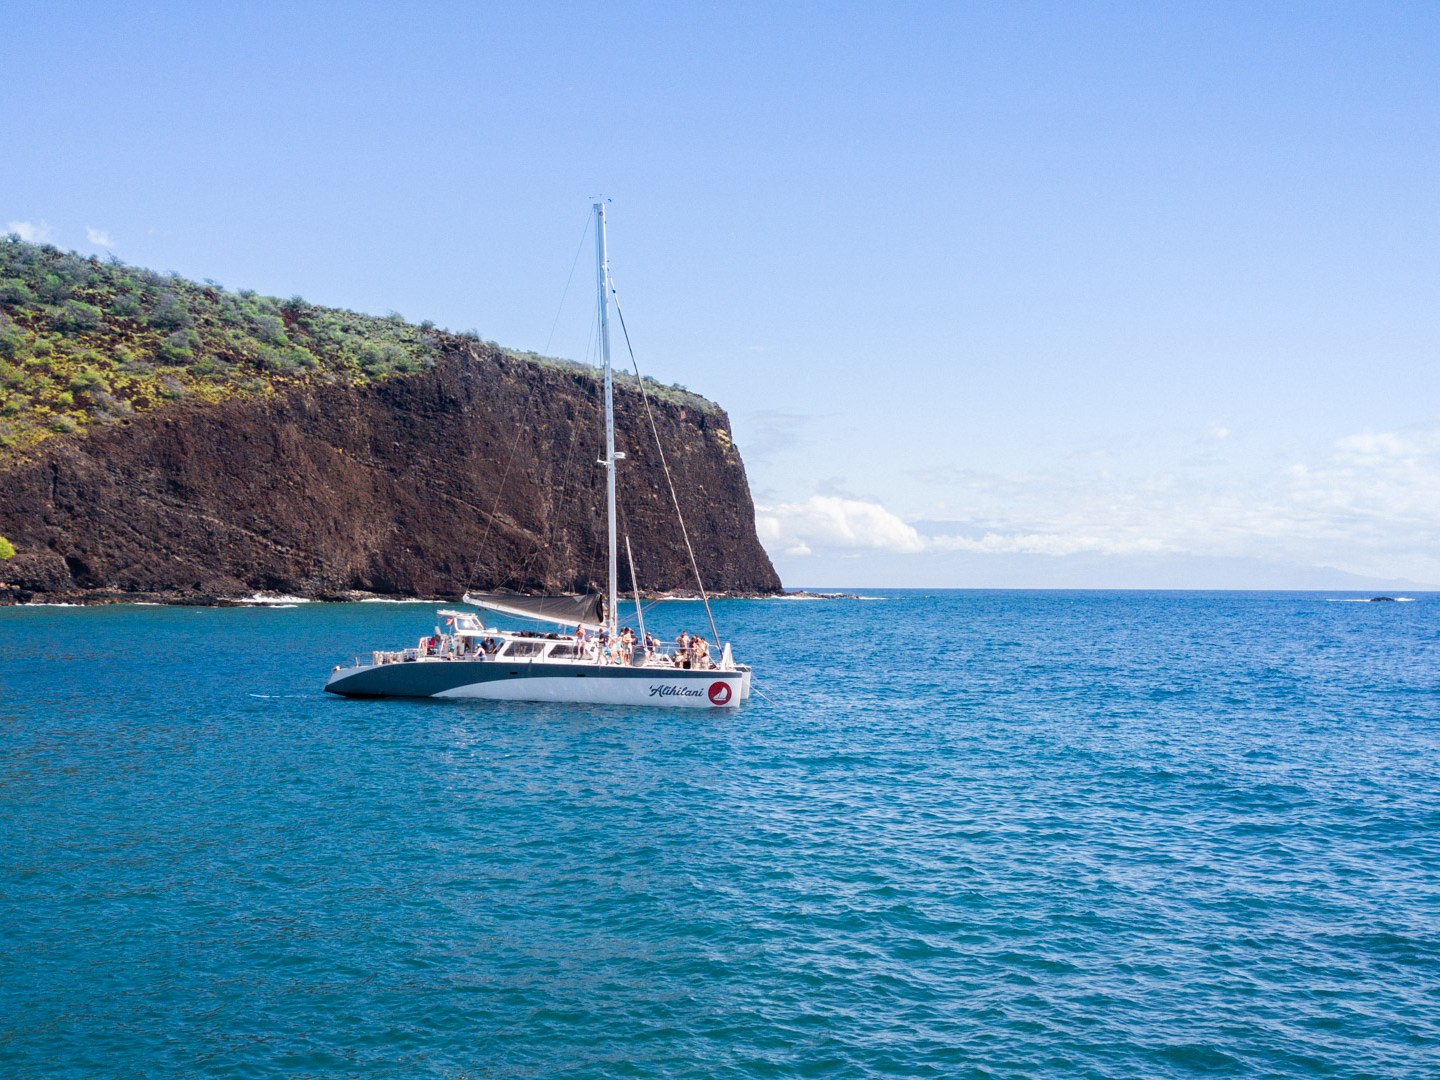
1370,505
835,523
98,237
1378,446
31,231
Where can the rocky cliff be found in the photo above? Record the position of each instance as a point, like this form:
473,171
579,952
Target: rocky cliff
479,471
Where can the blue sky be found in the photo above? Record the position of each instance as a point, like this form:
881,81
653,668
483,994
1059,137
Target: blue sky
1021,294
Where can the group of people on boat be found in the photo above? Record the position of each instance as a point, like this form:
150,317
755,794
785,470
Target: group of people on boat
625,647
692,651
601,646
619,648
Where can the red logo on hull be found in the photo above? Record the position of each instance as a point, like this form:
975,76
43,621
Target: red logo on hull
719,693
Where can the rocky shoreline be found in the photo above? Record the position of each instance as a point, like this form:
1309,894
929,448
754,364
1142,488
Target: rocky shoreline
282,600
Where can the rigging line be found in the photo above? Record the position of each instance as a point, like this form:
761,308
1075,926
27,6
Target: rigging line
520,430
559,501
594,337
768,697
669,480
509,461
635,588
645,605
624,528
592,346
566,291
651,605
634,583
597,540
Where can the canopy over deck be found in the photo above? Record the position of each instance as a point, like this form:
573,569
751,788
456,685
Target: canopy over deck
564,609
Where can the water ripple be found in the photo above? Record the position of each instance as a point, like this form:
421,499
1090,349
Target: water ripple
1093,835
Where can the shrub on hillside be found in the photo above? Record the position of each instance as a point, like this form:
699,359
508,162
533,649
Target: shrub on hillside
14,291
88,379
269,329
170,313
176,349
78,315
125,307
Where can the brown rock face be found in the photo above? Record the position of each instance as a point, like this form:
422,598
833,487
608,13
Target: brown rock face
480,473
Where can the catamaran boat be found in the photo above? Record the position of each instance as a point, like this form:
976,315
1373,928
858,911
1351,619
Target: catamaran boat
592,664
591,660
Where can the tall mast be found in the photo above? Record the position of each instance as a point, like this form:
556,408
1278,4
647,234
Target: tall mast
602,272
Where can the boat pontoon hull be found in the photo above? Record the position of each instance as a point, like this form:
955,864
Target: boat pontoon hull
499,680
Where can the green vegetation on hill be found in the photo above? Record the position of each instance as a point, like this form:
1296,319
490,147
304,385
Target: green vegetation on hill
674,394
85,341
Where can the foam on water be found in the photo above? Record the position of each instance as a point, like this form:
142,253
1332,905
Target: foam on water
969,834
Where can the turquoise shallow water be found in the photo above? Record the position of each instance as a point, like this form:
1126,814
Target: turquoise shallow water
967,834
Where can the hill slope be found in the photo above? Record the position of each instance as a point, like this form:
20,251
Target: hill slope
322,453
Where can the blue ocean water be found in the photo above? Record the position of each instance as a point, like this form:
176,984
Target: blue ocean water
989,834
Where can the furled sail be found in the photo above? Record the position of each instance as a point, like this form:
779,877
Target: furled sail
565,609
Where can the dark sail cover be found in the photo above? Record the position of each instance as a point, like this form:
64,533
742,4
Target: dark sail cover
566,609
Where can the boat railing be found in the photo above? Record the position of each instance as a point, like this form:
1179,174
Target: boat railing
394,656
590,651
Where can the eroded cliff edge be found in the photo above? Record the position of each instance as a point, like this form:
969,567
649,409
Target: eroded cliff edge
479,472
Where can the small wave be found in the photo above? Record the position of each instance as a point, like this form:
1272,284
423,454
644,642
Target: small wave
395,600
274,601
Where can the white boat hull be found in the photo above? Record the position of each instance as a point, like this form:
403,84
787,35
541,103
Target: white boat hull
546,681
715,693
